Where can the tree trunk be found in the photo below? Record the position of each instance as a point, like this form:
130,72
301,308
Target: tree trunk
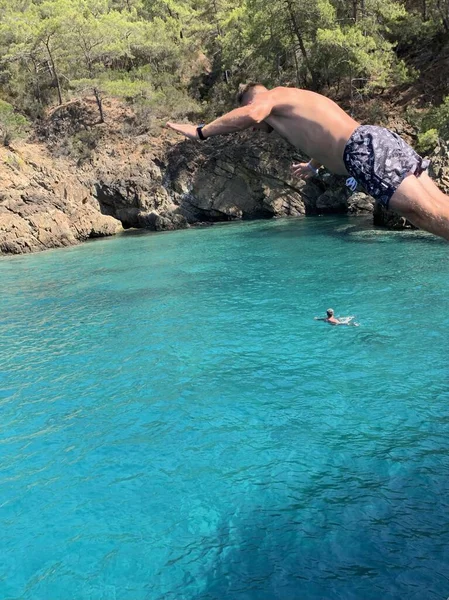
99,101
55,73
301,42
35,75
217,22
295,58
444,16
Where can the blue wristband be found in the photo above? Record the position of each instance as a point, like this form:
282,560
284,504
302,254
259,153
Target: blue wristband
312,168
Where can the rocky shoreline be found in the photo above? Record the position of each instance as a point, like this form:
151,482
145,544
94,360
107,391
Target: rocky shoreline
162,183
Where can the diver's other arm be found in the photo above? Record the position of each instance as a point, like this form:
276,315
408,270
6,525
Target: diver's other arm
306,170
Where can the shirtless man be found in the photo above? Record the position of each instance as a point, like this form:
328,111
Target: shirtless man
387,167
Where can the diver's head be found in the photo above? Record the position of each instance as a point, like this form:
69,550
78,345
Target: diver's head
330,312
248,91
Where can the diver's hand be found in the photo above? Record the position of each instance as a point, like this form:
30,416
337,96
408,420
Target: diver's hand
188,130
302,170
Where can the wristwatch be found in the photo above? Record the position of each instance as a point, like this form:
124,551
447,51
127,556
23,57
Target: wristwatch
199,131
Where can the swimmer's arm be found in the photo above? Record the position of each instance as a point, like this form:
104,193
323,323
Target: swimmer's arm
320,318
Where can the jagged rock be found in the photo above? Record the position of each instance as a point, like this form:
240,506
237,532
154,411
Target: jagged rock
389,219
246,177
44,204
332,201
360,203
439,166
157,222
284,202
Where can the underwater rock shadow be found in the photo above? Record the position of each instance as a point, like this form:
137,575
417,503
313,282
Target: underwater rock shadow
275,556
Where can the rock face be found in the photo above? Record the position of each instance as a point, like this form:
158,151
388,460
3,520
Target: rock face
439,166
43,206
223,179
160,183
248,177
137,197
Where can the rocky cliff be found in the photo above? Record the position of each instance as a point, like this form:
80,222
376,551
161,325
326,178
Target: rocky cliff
155,181
45,203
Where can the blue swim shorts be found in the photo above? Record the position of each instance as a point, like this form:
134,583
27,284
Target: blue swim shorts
379,159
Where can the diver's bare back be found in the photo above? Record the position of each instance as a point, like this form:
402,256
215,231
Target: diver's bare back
313,124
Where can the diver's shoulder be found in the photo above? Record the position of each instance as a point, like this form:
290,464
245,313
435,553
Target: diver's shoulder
286,90
286,96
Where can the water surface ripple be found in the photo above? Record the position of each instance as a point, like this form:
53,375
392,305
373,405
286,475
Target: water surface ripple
176,426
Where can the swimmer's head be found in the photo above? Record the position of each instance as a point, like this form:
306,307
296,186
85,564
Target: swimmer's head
330,312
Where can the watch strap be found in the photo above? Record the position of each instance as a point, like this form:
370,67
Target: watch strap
200,133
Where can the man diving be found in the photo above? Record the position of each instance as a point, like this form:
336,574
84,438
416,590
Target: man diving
382,162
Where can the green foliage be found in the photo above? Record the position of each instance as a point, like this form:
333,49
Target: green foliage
173,103
375,113
438,118
427,141
12,125
143,120
122,88
178,58
83,144
410,30
14,161
352,54
414,117
79,146
314,43
432,125
55,47
125,88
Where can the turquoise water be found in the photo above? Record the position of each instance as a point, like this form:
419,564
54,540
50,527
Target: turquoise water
175,425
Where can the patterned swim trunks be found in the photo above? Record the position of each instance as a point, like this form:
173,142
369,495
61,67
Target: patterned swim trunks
379,159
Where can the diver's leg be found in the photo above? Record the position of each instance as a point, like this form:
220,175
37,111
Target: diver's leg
431,187
417,200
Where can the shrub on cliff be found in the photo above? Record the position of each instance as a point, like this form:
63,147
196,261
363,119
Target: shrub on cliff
79,146
438,118
12,124
427,141
433,126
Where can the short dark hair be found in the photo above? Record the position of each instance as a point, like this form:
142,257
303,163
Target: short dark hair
244,88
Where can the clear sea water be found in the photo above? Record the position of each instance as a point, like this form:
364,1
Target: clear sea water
175,425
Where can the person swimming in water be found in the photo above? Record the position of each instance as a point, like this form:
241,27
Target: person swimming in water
332,320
